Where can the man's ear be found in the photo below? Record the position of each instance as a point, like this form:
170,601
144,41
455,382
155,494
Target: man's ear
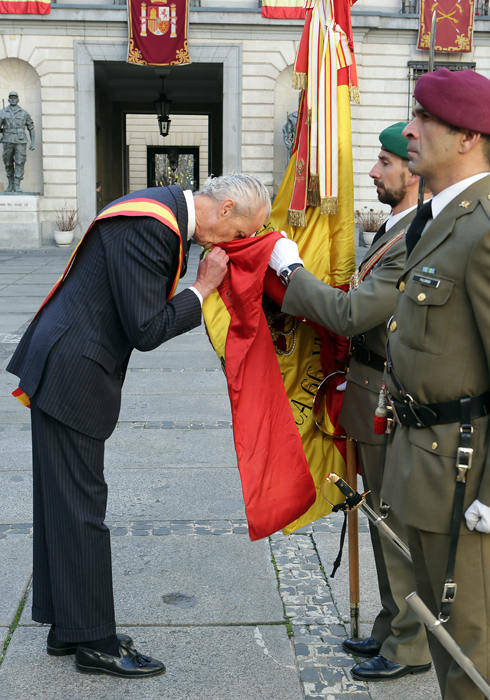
469,140
413,179
226,208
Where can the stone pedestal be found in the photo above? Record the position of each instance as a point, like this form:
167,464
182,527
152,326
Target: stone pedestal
19,221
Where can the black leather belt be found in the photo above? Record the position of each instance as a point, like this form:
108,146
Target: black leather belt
364,355
423,416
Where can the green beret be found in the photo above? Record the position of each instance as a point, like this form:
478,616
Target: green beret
392,140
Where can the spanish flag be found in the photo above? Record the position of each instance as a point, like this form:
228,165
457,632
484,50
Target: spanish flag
315,206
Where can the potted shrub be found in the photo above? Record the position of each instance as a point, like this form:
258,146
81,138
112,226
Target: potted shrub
369,222
66,220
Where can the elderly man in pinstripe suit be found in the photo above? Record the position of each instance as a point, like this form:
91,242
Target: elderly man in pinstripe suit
71,363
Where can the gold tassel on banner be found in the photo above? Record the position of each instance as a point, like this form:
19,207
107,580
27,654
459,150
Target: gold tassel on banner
300,81
296,217
313,198
329,205
354,94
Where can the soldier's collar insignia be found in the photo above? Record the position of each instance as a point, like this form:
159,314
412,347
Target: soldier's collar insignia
465,204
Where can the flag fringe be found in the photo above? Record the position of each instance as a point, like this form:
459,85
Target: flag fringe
329,205
300,81
313,199
354,94
296,217
308,118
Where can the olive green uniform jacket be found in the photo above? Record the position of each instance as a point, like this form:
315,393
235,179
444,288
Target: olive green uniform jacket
440,347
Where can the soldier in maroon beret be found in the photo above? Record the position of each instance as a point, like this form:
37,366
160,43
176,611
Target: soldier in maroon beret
437,474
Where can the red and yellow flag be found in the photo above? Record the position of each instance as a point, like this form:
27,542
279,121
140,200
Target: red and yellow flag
303,353
157,32
454,25
283,9
25,7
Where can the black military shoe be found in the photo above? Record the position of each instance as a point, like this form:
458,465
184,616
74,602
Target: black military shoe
128,664
55,648
381,669
362,647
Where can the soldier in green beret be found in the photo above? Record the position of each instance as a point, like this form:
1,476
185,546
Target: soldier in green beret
397,645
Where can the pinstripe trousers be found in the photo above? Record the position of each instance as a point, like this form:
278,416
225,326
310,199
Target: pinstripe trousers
72,578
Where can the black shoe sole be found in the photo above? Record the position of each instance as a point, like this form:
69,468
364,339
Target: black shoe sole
101,671
67,651
414,671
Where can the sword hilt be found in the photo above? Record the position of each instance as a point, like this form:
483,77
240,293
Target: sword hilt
353,499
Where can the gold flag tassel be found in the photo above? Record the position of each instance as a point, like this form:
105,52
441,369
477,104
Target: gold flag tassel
329,205
296,217
300,81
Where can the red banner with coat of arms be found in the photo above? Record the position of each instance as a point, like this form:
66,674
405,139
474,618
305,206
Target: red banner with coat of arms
158,32
454,26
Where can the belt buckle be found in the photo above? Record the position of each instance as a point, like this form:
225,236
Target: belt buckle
393,409
449,592
464,460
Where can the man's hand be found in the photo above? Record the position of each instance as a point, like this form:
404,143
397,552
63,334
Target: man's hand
284,254
478,517
211,271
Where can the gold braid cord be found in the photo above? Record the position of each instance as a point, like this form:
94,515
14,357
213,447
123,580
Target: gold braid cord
354,94
300,81
296,217
329,205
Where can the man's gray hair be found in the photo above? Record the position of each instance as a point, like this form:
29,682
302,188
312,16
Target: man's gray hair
248,193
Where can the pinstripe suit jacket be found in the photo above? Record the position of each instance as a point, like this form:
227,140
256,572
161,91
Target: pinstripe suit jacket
73,356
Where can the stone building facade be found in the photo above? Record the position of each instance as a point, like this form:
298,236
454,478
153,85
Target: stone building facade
70,70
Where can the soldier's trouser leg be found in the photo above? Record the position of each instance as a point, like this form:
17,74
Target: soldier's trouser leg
8,159
397,628
20,156
469,620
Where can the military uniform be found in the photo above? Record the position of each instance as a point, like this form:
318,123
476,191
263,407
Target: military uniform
440,351
366,310
13,122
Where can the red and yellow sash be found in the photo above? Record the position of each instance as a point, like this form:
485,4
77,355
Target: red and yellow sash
141,206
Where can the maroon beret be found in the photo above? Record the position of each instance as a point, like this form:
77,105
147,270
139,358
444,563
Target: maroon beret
460,98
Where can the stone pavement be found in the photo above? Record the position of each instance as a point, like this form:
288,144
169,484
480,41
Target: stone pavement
233,620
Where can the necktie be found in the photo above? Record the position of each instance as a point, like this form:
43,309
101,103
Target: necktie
381,231
417,226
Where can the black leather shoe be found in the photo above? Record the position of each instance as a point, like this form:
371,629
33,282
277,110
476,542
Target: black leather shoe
55,648
129,663
362,647
381,669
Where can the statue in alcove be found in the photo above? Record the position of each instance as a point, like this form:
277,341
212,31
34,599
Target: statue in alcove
13,124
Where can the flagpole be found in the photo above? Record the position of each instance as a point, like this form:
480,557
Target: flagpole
432,49
354,594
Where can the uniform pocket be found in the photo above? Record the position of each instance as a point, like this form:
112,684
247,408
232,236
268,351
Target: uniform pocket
424,325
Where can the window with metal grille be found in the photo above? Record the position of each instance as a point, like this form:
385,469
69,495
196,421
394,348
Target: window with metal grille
482,7
410,7
418,68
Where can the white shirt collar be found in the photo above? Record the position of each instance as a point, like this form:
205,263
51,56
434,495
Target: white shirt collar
191,214
394,218
441,200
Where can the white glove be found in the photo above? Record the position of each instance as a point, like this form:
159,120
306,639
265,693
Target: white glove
343,386
284,254
478,517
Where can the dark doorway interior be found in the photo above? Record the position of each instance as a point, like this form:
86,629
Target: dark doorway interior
124,88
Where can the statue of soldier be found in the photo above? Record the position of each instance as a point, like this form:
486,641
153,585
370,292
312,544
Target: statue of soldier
13,122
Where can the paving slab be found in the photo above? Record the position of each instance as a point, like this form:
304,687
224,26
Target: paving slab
15,574
25,304
194,580
11,410
175,360
31,290
15,450
16,500
182,383
144,494
172,494
164,407
130,449
226,663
